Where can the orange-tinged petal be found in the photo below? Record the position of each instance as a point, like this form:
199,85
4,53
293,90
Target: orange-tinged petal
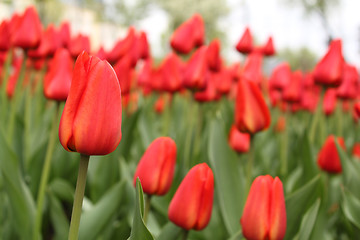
277,211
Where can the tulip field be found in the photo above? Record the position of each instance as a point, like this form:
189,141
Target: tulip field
111,144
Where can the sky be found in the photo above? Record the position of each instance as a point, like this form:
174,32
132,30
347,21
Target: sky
289,26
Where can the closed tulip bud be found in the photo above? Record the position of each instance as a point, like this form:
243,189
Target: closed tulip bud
268,49
329,102
253,68
195,72
239,141
213,55
64,34
27,32
264,215
192,203
293,91
328,158
58,78
245,44
280,77
91,120
171,69
328,71
357,109
156,167
78,44
251,112
123,71
122,46
49,43
4,35
349,86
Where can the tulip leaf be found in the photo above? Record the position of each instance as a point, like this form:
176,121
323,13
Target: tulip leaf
229,188
308,221
59,220
62,189
351,207
139,230
95,220
307,159
170,231
297,204
22,204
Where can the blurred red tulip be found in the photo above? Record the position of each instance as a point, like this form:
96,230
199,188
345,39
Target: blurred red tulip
293,91
251,112
280,77
213,55
245,44
49,43
238,141
156,166
91,120
123,71
209,93
268,49
171,69
356,150
349,86
78,44
194,76
192,203
329,103
328,71
264,214
27,30
57,80
280,124
64,34
4,35
328,157
143,45
122,46
223,80
101,53
253,68
357,109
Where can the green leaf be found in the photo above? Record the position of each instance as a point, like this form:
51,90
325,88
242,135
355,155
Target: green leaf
170,231
297,203
62,189
308,221
351,207
59,220
307,160
22,204
139,230
230,187
101,214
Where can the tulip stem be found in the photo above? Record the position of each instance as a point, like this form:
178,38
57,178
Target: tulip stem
316,117
185,234
166,116
45,173
339,119
147,208
250,163
284,147
189,134
79,196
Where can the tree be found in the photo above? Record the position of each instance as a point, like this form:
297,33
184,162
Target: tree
299,59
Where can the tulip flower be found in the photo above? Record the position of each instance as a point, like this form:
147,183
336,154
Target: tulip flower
292,92
349,86
280,77
357,109
64,34
91,120
268,49
328,157
239,141
213,55
253,68
264,215
123,71
251,112
49,43
192,203
122,46
27,32
245,44
209,93
223,80
329,102
194,76
328,71
156,166
58,78
171,69
356,150
4,35
79,44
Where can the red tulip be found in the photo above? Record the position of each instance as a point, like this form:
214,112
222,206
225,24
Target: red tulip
245,44
78,44
48,44
171,69
101,53
349,86
329,103
209,93
199,29
280,77
123,71
251,112
239,141
4,35
292,92
122,46
264,215
328,158
223,80
64,34
192,203
91,120
328,70
144,51
253,68
356,150
268,49
156,166
213,55
194,76
58,78
357,109
27,32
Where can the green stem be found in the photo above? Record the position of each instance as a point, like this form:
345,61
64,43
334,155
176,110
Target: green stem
250,164
188,142
339,118
78,199
45,174
284,147
147,208
27,122
166,116
316,118
185,234
5,78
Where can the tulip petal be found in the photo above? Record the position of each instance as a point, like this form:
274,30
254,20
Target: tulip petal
277,211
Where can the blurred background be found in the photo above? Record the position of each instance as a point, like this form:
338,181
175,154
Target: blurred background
301,28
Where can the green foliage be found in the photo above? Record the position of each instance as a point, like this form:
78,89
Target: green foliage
299,59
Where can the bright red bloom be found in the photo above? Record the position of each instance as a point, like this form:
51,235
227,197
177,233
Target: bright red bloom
192,203
209,93
268,49
49,43
328,71
251,112
64,34
171,69
199,29
239,141
223,80
357,109
123,71
356,150
4,35
264,215
280,77
156,166
194,76
245,44
349,86
101,53
253,68
143,46
329,103
27,32
91,121
78,44
58,77
293,91
13,78
213,55
328,157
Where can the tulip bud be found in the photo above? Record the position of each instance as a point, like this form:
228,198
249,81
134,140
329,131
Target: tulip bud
329,102
91,120
213,55
251,112
245,44
328,71
58,78
192,203
194,76
253,68
268,49
280,77
264,215
156,166
356,150
328,158
239,141
4,35
78,44
292,92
